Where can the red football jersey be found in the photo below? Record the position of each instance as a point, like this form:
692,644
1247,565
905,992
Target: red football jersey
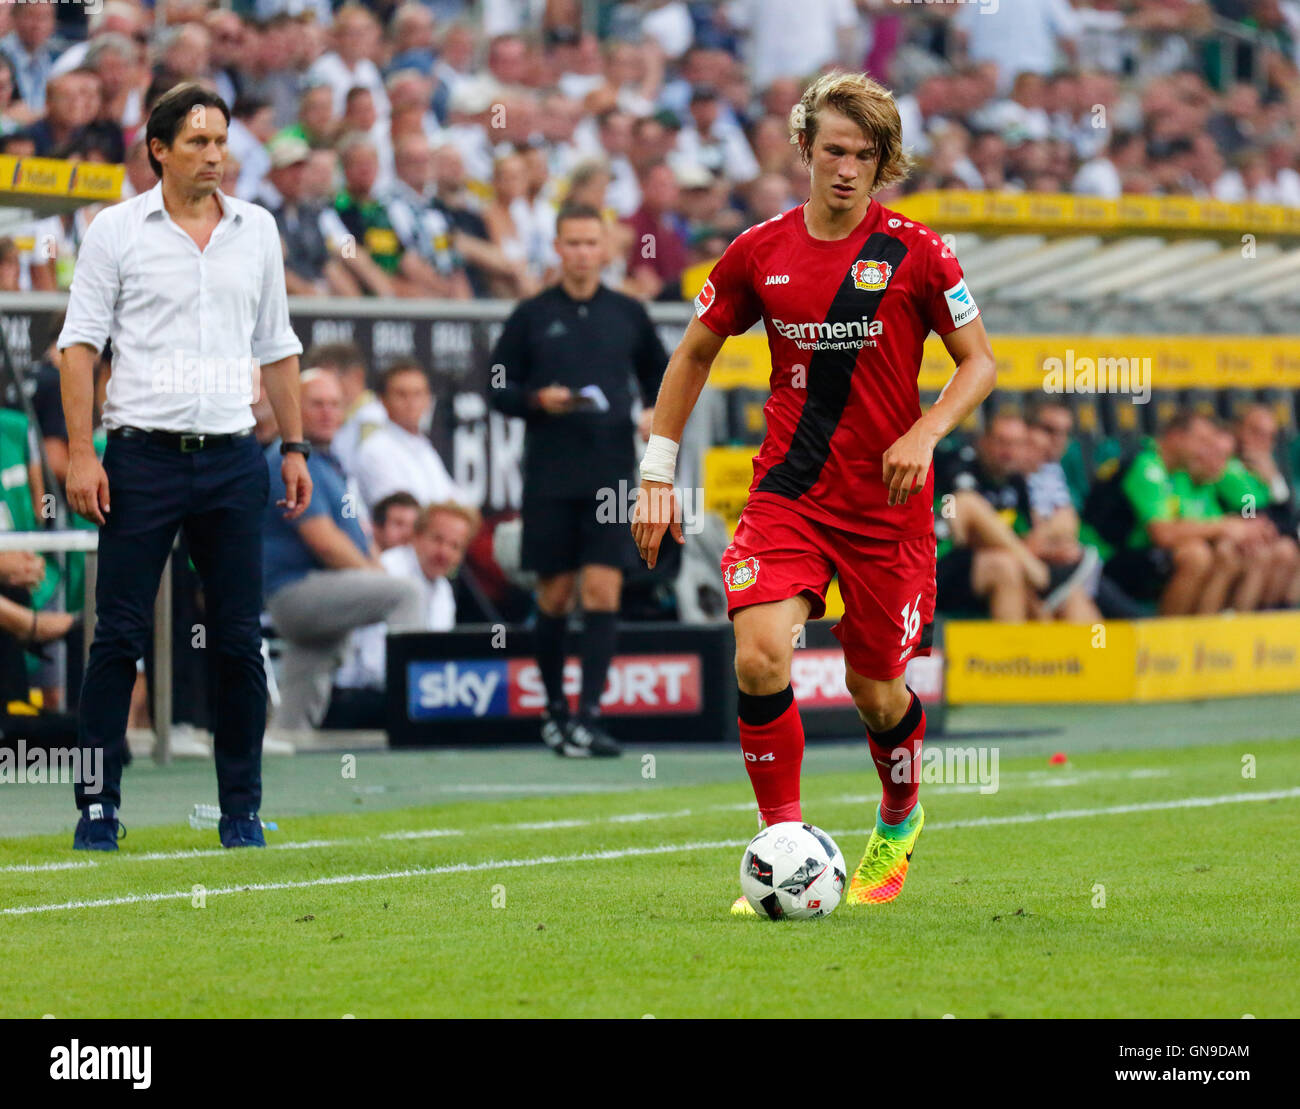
846,322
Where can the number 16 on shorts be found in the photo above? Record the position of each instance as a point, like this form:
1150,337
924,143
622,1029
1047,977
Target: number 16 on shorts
911,621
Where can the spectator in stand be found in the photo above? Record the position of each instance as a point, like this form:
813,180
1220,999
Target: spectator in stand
317,124
658,253
1265,562
356,43
709,141
252,125
421,226
111,57
1104,175
13,113
442,536
393,520
1132,517
398,455
362,412
309,267
983,520
229,52
72,102
413,38
319,180
1255,471
32,48
511,222
322,578
484,260
795,40
358,229
140,177
1023,35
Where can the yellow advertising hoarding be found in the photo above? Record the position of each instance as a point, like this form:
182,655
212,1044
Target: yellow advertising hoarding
1024,362
1169,659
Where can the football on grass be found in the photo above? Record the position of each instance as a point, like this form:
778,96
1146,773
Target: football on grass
792,870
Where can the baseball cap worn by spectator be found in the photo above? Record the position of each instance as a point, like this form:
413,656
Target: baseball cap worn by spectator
287,150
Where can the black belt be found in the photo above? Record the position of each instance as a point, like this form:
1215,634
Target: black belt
185,442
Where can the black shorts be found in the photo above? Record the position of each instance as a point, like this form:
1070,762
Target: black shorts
1142,572
563,534
952,582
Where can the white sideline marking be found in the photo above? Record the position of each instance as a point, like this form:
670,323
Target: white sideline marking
637,852
410,872
529,826
1109,810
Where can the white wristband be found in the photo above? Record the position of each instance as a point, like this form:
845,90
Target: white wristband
659,463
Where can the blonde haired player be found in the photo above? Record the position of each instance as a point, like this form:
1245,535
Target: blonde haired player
843,485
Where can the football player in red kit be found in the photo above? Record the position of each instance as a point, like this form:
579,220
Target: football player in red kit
843,485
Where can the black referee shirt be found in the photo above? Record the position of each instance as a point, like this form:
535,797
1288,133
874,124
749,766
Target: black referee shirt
552,339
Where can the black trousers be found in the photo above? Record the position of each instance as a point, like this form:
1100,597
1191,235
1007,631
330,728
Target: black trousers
218,496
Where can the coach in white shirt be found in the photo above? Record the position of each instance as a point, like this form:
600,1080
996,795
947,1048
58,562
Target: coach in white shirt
397,457
189,286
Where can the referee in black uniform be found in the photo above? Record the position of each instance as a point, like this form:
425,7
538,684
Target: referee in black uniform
189,285
578,447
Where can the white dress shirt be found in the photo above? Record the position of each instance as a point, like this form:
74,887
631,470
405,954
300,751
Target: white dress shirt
356,429
190,329
392,460
363,662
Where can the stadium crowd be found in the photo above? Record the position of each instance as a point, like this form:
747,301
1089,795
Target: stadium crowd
423,148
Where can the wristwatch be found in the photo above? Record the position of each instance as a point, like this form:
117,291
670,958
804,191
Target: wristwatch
303,449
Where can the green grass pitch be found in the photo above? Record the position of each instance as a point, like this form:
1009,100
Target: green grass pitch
1151,883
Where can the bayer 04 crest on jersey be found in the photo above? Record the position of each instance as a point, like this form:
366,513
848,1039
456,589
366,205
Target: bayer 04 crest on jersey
792,871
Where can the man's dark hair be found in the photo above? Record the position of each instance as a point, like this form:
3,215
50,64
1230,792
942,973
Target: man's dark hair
1184,418
341,356
169,115
401,499
577,211
248,106
1039,404
398,366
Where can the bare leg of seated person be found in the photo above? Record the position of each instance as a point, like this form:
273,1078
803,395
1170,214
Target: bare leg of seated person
1193,563
976,524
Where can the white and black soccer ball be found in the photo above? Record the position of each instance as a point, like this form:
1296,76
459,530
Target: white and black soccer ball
792,870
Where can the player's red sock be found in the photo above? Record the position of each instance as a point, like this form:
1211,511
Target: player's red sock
771,736
896,754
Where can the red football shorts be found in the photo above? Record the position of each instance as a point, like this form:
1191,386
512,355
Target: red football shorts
887,584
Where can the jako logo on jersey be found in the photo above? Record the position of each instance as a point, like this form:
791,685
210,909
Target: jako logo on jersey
741,575
705,298
961,305
777,279
872,276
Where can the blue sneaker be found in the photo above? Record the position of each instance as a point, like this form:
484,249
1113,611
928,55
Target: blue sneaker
241,830
98,829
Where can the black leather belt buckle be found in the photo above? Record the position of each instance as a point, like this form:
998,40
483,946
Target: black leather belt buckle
191,443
